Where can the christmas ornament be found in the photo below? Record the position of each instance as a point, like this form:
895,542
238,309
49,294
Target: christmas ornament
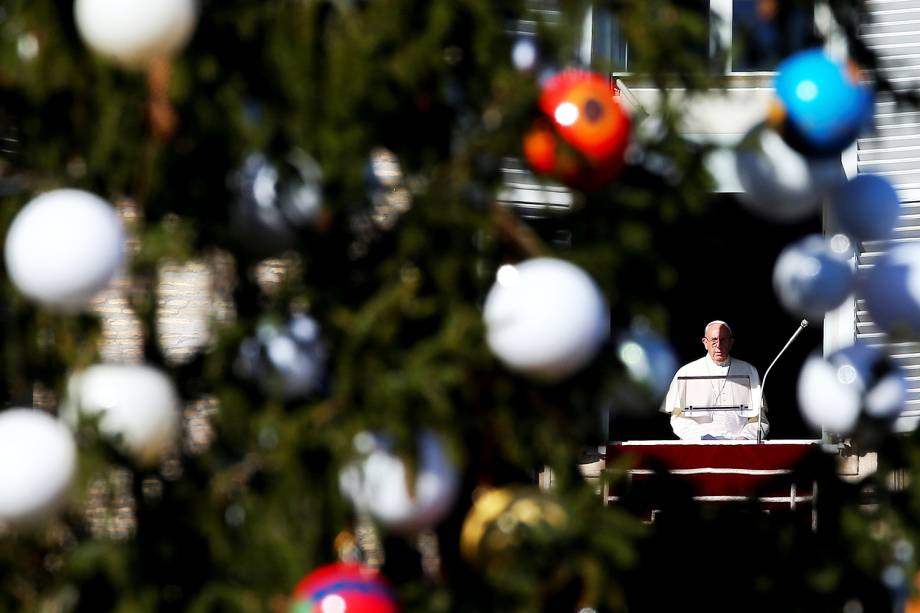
378,483
857,379
135,33
582,135
649,360
820,105
388,199
276,202
63,247
525,53
867,207
288,361
138,408
779,184
912,605
343,588
810,278
545,318
386,188
37,463
502,521
891,289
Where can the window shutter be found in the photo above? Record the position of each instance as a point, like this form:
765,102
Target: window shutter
892,31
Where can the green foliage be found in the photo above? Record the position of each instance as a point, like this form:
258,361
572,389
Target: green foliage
232,527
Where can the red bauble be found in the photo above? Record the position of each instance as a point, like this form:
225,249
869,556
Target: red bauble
583,133
343,588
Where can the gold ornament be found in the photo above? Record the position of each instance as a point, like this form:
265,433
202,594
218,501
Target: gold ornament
502,519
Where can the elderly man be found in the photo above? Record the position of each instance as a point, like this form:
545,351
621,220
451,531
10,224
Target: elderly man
717,380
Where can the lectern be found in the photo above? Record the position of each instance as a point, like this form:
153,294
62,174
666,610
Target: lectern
701,395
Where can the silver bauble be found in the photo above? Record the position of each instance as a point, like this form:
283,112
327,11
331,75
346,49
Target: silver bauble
287,361
779,183
275,202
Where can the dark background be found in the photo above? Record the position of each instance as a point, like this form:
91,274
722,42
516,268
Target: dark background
725,271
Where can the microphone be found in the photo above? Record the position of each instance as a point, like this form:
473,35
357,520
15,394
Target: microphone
763,384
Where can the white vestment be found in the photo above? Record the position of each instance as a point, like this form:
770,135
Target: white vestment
720,424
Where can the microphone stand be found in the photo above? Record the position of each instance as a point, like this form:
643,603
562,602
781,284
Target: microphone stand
763,384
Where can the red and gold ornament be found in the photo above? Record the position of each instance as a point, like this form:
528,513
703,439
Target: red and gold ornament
343,587
582,134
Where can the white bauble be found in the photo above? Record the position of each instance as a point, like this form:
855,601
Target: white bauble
867,207
832,392
885,399
525,53
37,463
378,483
810,278
136,32
827,402
779,183
545,318
892,291
63,247
138,407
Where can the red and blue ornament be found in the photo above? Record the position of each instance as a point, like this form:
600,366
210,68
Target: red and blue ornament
343,587
582,133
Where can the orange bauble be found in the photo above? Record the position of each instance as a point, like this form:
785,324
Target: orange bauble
583,134
913,603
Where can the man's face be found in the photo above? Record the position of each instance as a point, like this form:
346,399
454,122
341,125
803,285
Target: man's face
718,342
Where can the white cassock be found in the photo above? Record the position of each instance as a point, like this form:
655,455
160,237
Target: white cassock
720,424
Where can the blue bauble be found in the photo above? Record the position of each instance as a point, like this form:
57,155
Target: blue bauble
821,107
649,360
892,291
866,207
810,278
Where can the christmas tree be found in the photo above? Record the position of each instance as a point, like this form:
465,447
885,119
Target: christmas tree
390,351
